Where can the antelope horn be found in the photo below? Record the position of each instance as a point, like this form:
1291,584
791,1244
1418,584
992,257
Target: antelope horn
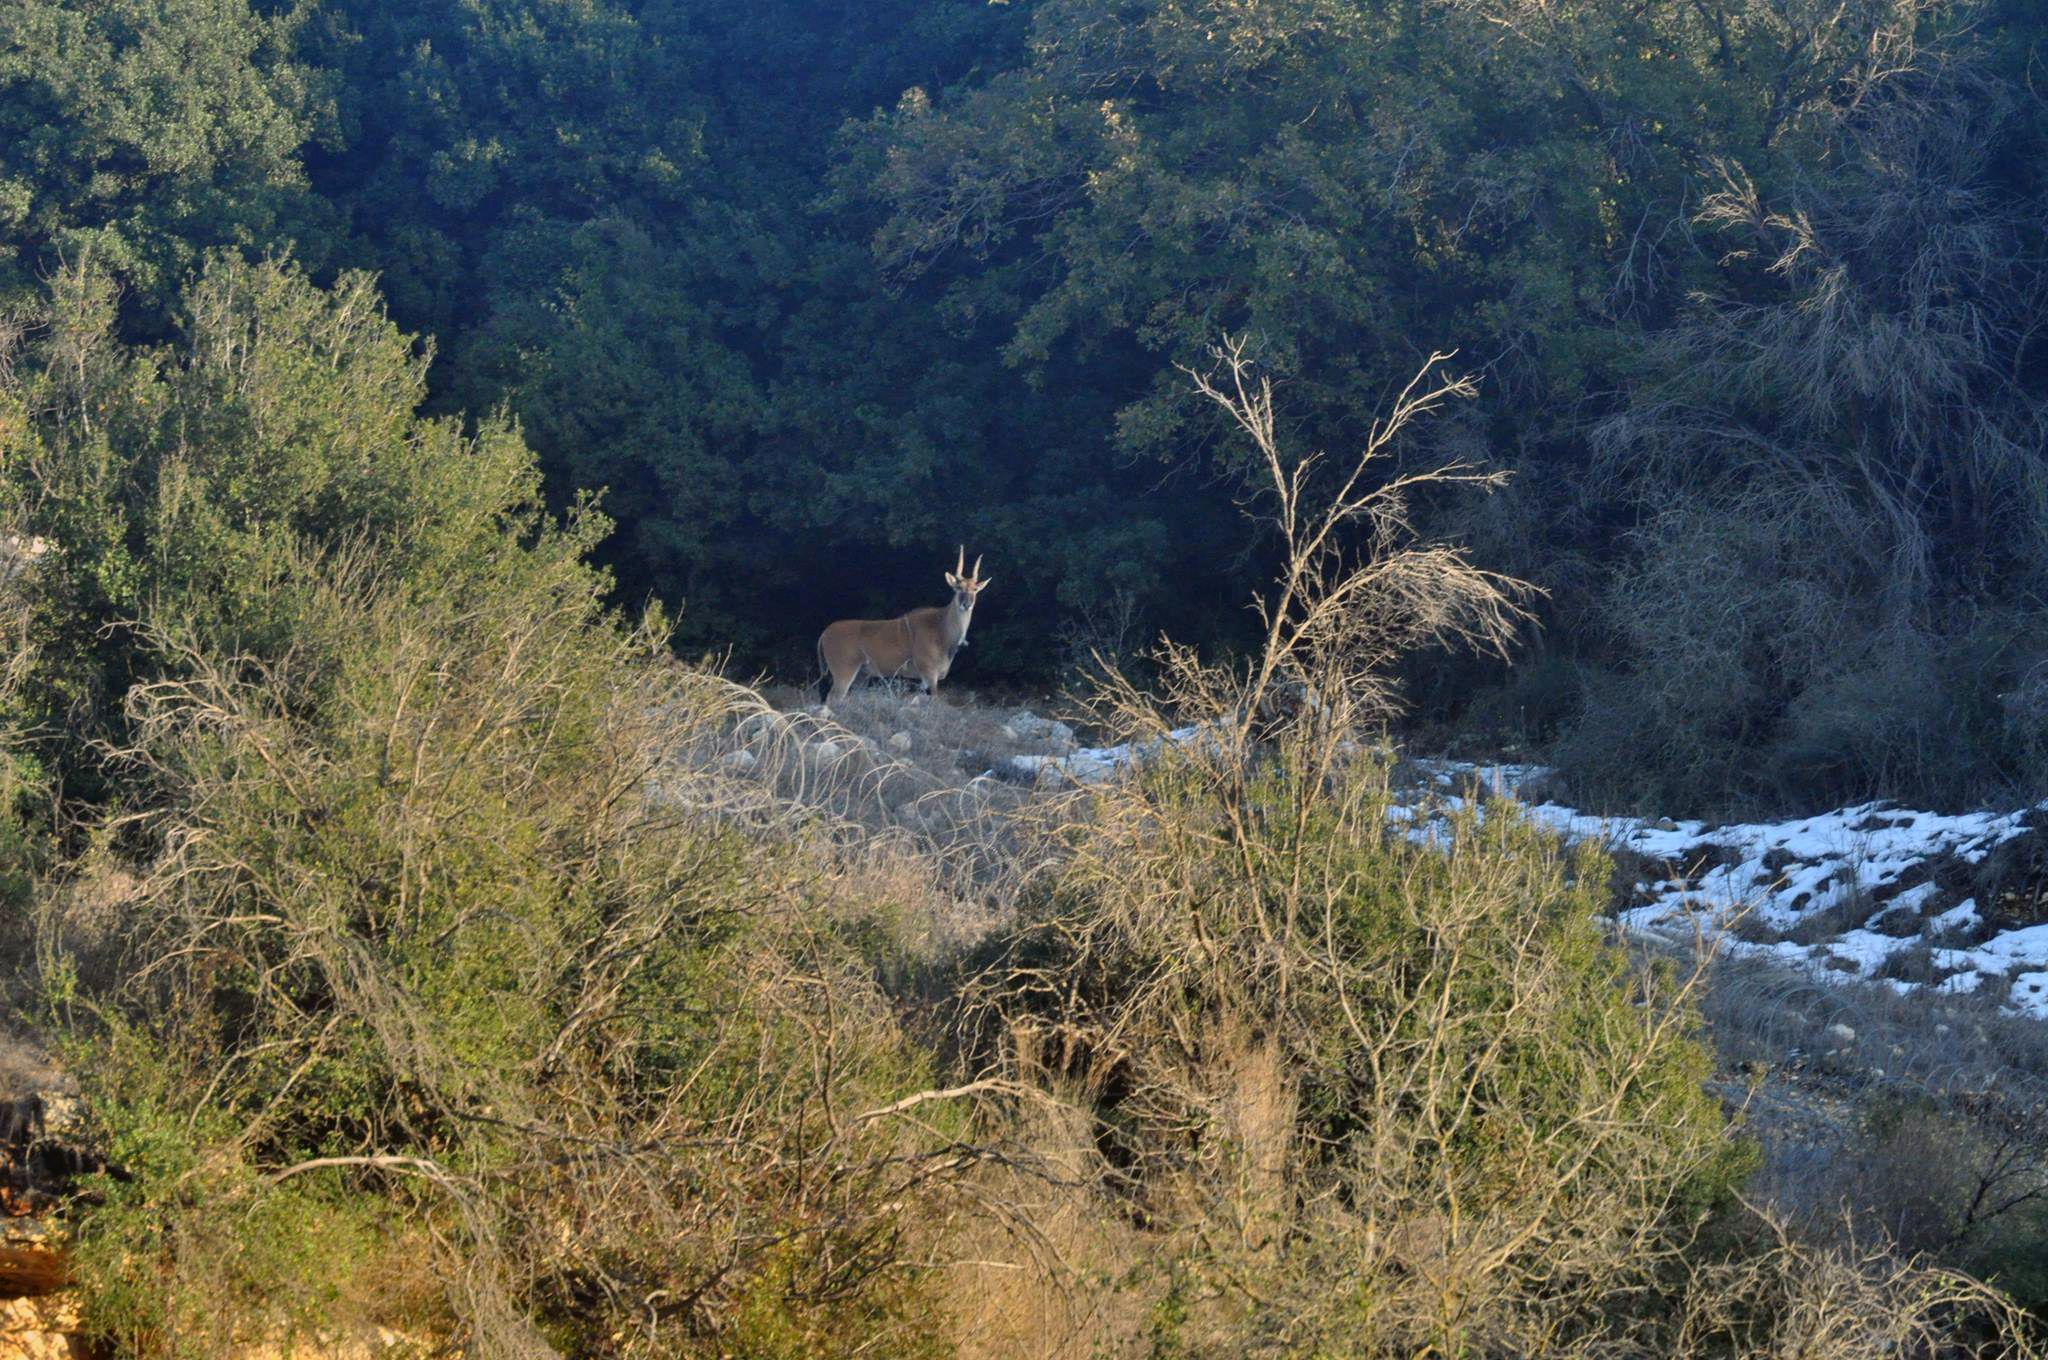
975,575
960,563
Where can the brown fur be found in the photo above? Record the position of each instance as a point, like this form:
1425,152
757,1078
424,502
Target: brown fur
921,642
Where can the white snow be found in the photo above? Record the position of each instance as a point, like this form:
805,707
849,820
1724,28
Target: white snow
1780,877
1093,764
2030,995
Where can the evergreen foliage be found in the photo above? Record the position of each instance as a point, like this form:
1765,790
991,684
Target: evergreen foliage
140,134
412,983
809,292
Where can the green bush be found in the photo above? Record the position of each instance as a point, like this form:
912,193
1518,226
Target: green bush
458,991
188,482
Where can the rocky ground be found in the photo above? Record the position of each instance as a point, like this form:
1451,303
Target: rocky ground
1876,996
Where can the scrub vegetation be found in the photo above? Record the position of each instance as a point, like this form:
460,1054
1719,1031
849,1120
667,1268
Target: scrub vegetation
412,417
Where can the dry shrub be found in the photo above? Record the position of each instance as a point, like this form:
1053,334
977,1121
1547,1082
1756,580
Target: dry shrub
934,801
1779,1296
1836,463
452,946
1061,1271
1925,1131
1367,1092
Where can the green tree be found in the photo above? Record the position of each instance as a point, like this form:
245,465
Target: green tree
678,310
422,966
184,481
139,134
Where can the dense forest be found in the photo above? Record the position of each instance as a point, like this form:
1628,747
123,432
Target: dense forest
416,421
812,292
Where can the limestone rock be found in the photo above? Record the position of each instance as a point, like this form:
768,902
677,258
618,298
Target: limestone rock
41,1328
1029,727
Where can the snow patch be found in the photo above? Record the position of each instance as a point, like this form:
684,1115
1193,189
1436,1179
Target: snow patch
1825,888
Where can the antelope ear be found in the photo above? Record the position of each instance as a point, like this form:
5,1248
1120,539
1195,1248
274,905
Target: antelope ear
989,582
952,580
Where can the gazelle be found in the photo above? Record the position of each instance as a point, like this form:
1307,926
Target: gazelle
921,642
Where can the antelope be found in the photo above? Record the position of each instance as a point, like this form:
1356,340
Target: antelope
922,641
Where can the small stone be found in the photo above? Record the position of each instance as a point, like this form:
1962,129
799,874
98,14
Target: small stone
1664,824
1841,1033
1029,727
738,762
900,742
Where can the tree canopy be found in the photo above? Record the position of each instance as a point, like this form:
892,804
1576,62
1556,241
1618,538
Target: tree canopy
811,293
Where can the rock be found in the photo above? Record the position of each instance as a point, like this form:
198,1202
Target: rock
1664,824
365,1344
1028,726
900,742
29,1267
756,727
1841,1033
738,762
61,1113
40,1329
1897,923
1035,769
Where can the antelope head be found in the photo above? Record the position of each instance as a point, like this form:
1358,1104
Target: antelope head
966,585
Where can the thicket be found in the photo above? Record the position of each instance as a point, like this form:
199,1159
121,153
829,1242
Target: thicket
437,954
396,996
1364,1074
